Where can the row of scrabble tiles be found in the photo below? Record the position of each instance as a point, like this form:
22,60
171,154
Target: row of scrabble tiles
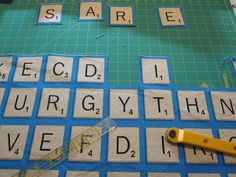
54,173
56,68
123,144
121,103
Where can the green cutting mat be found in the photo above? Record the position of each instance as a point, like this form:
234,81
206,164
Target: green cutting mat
195,51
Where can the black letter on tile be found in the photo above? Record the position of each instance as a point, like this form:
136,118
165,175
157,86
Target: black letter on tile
53,102
45,141
118,138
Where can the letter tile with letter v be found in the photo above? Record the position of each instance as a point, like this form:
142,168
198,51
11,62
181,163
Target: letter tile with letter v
50,14
90,11
82,174
5,67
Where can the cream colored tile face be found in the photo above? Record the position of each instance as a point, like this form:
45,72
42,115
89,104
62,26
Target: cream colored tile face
123,145
203,175
82,174
121,16
5,67
155,71
46,139
228,135
231,175
8,173
2,90
50,173
158,104
28,69
90,11
50,13
224,104
123,174
164,175
200,155
92,152
54,102
91,70
124,104
88,103
13,139
171,17
59,69
192,105
234,64
158,149
20,102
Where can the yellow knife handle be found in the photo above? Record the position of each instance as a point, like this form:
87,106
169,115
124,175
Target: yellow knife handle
176,135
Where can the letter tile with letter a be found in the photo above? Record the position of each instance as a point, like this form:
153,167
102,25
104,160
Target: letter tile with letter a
82,174
158,149
20,102
192,105
171,17
8,173
54,102
46,139
155,71
13,139
121,16
50,14
59,69
224,104
91,70
90,11
123,174
5,67
88,103
124,104
28,69
86,153
123,145
203,175
164,175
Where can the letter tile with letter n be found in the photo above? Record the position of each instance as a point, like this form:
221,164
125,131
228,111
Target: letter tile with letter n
5,67
171,16
164,175
8,172
88,103
224,104
59,69
50,14
123,145
82,174
155,71
20,102
192,105
91,70
46,139
91,11
123,174
54,102
124,104
121,16
13,139
28,69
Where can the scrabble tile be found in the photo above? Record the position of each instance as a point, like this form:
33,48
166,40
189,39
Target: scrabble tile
231,175
20,102
158,149
5,67
82,174
50,173
228,135
59,69
123,145
28,69
50,14
155,71
164,175
192,105
90,153
121,16
197,155
171,16
13,139
2,91
203,175
123,174
158,104
91,70
54,102
124,104
46,139
224,104
88,103
8,173
90,11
